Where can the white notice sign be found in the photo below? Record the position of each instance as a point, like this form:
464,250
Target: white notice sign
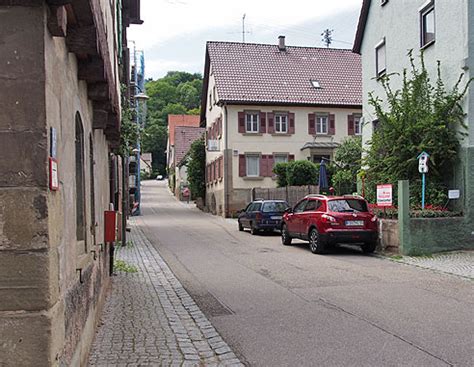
454,194
384,195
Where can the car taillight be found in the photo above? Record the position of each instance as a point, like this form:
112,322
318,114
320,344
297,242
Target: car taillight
328,219
374,219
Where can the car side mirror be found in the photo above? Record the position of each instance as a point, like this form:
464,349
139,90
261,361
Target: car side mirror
289,210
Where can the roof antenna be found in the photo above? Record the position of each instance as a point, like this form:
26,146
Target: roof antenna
243,28
327,36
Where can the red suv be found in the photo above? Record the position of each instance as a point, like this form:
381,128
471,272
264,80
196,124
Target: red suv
326,220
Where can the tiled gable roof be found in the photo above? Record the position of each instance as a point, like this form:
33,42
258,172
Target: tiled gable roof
180,120
262,74
184,136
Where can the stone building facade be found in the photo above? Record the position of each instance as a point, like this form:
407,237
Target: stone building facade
62,63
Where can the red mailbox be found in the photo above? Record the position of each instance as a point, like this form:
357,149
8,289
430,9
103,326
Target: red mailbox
110,219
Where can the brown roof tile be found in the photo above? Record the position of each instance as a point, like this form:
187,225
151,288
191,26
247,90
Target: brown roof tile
261,74
184,136
180,120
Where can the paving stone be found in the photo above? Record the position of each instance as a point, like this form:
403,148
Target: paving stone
150,320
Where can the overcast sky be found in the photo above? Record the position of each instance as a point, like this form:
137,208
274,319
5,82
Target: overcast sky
175,32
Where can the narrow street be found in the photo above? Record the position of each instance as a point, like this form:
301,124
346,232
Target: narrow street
284,306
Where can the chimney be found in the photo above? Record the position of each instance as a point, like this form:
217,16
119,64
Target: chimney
281,43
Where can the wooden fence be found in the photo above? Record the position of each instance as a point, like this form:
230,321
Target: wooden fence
291,194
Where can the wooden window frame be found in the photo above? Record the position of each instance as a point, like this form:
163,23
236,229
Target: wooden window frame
380,72
252,113
424,11
317,117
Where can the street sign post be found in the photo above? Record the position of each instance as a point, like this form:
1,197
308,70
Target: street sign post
423,169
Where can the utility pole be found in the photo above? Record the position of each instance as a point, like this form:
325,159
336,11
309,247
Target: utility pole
327,36
243,28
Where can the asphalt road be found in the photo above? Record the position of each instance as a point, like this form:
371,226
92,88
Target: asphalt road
284,306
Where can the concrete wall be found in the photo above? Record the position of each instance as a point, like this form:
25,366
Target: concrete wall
48,309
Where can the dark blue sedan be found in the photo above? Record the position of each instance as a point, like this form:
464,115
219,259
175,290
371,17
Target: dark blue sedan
262,215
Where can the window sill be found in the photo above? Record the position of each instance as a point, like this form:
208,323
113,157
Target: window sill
252,134
427,45
282,134
253,178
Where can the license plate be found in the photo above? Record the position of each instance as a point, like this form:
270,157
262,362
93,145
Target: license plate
276,217
354,223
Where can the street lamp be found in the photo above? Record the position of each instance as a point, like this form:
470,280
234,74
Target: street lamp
140,98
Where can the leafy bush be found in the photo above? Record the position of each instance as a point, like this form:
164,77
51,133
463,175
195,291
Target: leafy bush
280,170
421,116
197,169
301,173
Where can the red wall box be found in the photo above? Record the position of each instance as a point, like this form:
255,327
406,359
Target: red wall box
110,220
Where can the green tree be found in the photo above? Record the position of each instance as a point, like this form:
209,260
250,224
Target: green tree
178,92
421,116
301,173
196,169
348,157
154,141
280,171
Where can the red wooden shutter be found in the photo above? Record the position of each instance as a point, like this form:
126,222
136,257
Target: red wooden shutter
291,128
270,165
350,125
311,124
291,157
220,127
241,122
242,166
263,165
208,176
263,122
271,126
332,124
222,165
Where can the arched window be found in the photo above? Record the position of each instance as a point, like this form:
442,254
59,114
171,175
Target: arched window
80,186
92,181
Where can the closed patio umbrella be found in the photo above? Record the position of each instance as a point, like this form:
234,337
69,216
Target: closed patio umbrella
323,177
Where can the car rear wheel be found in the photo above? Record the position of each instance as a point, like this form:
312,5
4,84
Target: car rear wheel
315,244
369,247
241,227
285,236
253,230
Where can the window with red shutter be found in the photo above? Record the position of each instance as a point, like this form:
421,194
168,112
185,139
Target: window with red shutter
270,162
263,122
291,157
291,129
242,165
332,124
271,127
311,124
350,125
241,117
263,165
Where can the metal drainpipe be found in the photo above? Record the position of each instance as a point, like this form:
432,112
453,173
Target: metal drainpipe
226,163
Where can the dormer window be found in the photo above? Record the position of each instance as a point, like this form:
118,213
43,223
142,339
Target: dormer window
315,84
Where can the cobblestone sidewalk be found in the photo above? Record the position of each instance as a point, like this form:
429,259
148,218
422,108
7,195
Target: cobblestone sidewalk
150,319
459,263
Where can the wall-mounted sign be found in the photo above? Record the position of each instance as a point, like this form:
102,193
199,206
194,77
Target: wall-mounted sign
384,195
454,194
53,143
53,174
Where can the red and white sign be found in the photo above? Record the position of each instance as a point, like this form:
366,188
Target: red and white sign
384,195
53,174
